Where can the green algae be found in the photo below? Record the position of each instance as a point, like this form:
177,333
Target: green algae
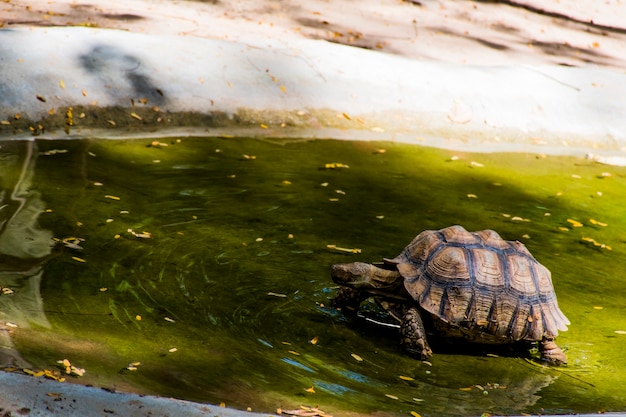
206,260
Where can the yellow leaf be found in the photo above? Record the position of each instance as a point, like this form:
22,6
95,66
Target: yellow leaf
138,317
597,223
283,88
406,378
310,390
293,352
574,223
415,414
62,84
112,197
393,397
314,340
347,116
77,259
357,357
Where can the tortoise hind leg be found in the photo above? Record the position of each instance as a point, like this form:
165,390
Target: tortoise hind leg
413,334
551,353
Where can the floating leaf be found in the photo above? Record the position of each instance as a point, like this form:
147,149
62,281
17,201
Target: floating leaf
574,223
310,390
314,340
275,294
472,196
393,397
406,378
349,250
112,197
415,414
335,165
597,223
357,357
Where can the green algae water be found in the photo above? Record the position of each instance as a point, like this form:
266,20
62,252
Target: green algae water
199,269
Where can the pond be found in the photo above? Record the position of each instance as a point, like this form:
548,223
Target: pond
199,269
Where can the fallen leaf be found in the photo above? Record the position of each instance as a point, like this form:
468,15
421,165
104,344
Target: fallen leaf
574,223
274,294
357,357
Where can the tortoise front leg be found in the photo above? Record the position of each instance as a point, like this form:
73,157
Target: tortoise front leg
348,300
413,334
551,353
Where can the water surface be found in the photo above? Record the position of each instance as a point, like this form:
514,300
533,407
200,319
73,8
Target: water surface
207,262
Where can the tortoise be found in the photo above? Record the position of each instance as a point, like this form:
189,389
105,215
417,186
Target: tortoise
476,286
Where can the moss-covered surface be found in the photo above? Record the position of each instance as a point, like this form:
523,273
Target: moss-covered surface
206,260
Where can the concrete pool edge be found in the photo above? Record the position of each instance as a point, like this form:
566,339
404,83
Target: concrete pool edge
109,83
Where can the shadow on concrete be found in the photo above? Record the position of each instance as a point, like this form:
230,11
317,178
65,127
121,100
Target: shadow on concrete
555,15
120,72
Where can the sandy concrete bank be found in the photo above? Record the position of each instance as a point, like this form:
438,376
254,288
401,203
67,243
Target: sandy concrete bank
65,82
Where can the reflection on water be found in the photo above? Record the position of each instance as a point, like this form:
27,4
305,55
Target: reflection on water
24,246
206,260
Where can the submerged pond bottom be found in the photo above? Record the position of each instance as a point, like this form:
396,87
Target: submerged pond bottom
199,269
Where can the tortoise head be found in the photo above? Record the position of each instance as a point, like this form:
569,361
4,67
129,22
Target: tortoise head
368,277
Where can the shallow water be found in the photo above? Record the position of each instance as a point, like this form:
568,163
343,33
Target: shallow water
207,261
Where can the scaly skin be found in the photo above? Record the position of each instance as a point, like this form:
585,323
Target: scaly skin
551,353
413,335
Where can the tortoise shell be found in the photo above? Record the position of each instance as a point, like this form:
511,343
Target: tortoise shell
480,281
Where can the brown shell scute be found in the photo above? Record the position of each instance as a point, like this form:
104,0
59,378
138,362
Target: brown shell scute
478,280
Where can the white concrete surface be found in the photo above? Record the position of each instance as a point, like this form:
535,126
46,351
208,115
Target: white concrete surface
309,85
